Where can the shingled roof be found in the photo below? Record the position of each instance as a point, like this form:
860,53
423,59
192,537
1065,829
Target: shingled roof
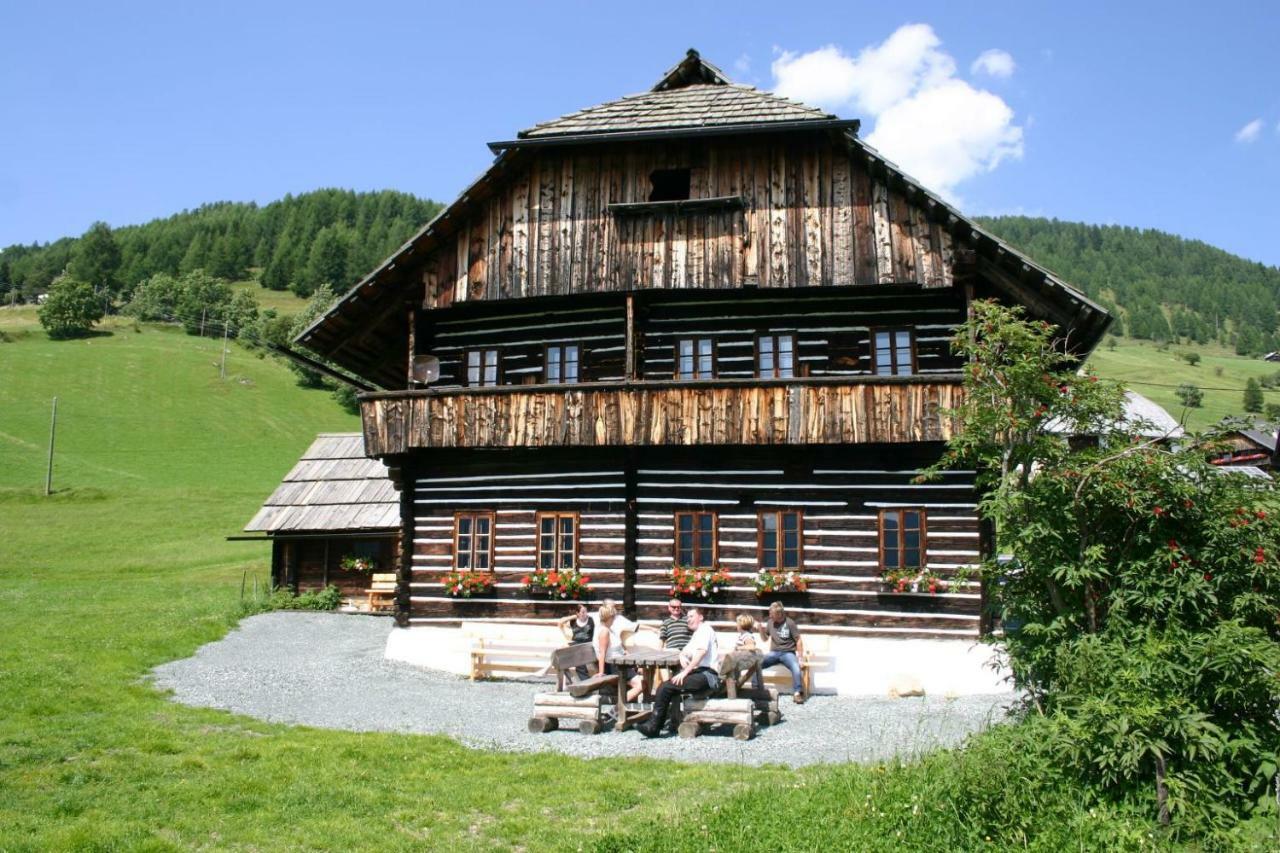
693,94
334,487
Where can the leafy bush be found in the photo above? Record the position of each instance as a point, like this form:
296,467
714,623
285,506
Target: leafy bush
1190,395
283,598
1146,587
71,309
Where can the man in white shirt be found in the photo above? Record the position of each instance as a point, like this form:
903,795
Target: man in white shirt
699,662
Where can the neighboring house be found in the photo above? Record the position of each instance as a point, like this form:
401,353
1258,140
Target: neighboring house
702,326
1253,447
1141,416
335,503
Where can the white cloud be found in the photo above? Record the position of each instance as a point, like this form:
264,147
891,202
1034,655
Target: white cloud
938,127
1250,131
996,63
742,64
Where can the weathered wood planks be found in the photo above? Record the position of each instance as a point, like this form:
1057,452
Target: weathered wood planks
782,212
714,413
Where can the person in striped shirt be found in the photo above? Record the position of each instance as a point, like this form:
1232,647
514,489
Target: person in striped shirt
674,631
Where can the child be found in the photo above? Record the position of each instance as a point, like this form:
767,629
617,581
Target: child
746,645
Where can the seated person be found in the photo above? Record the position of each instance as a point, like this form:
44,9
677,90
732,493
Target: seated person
698,673
785,647
578,628
675,631
614,629
745,644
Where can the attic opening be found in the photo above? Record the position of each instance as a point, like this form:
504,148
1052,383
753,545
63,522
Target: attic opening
669,185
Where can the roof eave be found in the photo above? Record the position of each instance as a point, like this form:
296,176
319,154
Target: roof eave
550,139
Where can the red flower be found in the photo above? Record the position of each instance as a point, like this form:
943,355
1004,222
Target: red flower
525,580
1173,544
1188,503
1208,576
1159,511
1260,514
1260,556
1093,379
1173,564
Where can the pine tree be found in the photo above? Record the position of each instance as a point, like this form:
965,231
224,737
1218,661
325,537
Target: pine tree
1253,396
96,260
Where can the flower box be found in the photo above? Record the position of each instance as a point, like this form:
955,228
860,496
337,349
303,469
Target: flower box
468,584
556,585
697,584
780,583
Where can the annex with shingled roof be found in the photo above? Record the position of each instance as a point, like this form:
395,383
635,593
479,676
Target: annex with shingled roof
698,332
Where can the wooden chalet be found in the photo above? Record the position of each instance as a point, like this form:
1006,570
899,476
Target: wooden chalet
333,504
702,326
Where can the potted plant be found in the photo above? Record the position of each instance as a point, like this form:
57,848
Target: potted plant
468,584
562,585
352,563
906,581
771,581
697,584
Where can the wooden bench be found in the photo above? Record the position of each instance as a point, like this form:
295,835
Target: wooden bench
584,698
382,590
813,660
741,705
493,657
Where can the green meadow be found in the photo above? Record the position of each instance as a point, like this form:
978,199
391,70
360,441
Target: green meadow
158,458
1156,372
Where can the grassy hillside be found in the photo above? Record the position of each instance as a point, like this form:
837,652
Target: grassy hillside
1156,372
125,567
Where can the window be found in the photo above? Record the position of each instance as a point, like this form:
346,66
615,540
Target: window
473,541
669,184
482,367
776,356
780,545
893,351
557,540
695,358
561,364
902,537
696,539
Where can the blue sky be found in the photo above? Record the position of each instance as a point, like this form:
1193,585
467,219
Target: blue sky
1163,115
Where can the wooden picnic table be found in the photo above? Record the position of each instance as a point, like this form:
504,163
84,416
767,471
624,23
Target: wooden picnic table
648,661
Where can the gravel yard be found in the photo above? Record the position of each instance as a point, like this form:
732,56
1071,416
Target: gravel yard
327,670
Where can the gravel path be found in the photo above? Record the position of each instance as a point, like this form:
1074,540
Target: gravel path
327,670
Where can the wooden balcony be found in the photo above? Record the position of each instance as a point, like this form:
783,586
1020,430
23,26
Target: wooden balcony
714,412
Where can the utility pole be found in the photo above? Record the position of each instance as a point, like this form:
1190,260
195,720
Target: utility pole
48,473
223,368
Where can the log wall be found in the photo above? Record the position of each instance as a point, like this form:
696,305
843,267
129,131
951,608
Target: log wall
840,499
804,212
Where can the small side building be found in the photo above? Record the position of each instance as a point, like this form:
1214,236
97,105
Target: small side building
335,503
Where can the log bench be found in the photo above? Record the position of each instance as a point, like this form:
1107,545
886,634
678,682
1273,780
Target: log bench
696,713
587,699
740,706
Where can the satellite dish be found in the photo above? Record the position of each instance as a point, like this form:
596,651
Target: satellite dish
426,369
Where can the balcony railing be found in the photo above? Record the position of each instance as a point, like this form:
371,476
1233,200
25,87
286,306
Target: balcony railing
733,412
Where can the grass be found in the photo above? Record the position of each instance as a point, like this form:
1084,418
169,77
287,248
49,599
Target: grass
125,566
1157,373
283,301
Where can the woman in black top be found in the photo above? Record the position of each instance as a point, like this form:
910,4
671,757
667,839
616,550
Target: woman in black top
579,628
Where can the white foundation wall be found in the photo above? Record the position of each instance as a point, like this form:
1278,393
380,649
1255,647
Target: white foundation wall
850,666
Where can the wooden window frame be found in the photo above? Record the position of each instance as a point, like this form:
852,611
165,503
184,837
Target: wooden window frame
924,537
537,538
715,538
778,513
715,357
493,526
795,355
893,351
546,362
466,367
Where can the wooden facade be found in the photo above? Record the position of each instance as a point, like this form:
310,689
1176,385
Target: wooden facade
789,211
703,299
838,497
